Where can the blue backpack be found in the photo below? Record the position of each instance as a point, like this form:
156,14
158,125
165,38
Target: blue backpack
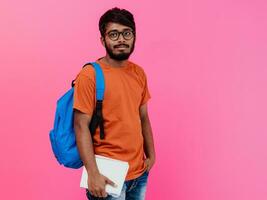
62,136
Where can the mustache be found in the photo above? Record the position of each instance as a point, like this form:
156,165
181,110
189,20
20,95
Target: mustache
121,45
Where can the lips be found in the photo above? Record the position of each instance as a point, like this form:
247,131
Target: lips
121,46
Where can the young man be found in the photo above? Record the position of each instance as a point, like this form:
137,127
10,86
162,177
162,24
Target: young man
128,134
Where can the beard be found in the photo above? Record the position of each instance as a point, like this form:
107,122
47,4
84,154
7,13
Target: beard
119,56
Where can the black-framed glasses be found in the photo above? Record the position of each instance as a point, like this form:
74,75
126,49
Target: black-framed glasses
126,34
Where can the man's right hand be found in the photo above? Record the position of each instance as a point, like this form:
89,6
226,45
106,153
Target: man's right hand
97,183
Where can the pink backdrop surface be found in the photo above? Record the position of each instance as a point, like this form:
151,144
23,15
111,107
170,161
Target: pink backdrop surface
206,66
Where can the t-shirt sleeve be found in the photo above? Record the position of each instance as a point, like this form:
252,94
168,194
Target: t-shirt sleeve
84,94
145,94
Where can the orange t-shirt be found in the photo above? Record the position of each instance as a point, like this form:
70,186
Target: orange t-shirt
125,91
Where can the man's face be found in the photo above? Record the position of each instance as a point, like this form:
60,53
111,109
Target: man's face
119,41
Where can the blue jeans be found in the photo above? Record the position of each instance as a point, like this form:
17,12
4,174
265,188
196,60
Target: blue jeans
132,190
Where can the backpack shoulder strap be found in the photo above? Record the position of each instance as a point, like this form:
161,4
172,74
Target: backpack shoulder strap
97,118
100,88
100,82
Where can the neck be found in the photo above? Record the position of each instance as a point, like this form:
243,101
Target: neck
112,62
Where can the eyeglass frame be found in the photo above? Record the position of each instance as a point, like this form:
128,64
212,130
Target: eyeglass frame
121,33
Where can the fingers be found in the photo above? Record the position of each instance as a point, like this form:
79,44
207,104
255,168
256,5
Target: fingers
108,181
147,164
98,190
103,194
99,193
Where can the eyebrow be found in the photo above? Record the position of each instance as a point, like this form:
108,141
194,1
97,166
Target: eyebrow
118,30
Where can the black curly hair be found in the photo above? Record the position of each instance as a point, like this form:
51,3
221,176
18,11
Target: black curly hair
116,15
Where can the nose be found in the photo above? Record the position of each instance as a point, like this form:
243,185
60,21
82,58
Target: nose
121,38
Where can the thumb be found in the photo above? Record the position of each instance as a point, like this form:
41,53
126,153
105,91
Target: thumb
108,181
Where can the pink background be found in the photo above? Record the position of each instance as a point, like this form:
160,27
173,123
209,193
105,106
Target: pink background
207,71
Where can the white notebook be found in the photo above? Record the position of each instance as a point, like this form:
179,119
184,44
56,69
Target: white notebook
115,170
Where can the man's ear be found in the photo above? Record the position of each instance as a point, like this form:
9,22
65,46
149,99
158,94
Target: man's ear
102,41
